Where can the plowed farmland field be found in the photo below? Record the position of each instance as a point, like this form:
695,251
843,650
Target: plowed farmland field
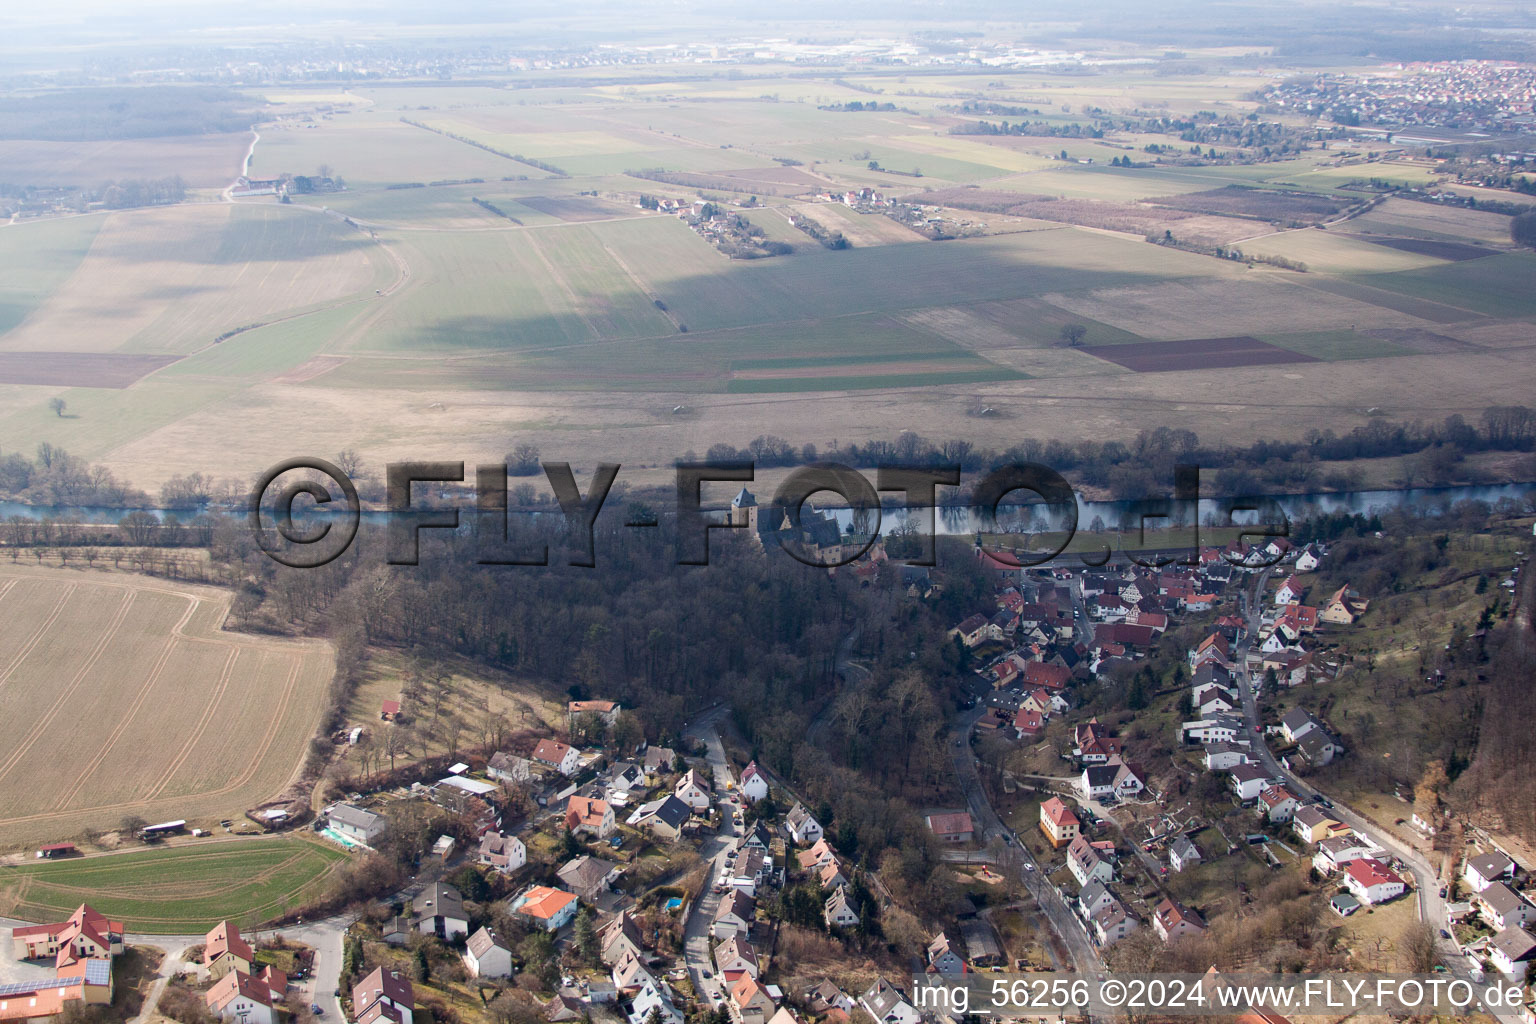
122,695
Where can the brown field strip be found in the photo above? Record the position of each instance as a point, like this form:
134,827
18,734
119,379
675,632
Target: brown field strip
1197,354
79,369
169,715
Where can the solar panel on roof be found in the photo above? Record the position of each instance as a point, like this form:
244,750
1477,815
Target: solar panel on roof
98,972
21,988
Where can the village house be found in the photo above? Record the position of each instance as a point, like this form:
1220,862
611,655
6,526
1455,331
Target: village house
1512,951
659,761
1183,854
1112,923
951,828
972,630
886,1003
1058,822
838,910
1173,921
486,956
1370,881
1090,862
830,876
1248,781
1313,824
1297,722
1223,756
753,783
385,995
503,853
585,816
1092,898
821,853
619,939
1483,870
1501,907
802,825
1343,607
1290,591
545,907
355,824
560,756
942,957
1276,804
606,712
81,949
735,958
504,767
1333,854
588,876
242,998
224,951
693,790
664,818
733,916
439,910
1318,748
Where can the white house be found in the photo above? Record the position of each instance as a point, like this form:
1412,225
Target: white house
1486,868
1333,854
1183,854
803,827
886,1004
1370,881
487,956
355,823
753,783
1277,804
439,910
1248,781
1296,723
692,790
240,998
1088,862
1290,591
560,756
504,853
1501,907
1220,757
733,916
1112,923
384,995
838,910
1512,951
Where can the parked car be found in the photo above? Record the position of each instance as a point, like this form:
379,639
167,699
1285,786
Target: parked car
314,1008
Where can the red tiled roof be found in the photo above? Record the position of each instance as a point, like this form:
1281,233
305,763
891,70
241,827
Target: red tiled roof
950,824
1058,813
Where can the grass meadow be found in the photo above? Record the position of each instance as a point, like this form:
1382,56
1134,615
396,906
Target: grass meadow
178,890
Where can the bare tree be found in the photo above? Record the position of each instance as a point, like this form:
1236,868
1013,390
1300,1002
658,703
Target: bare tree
1073,334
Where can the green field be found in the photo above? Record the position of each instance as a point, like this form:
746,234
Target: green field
37,258
1336,345
182,890
1494,286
